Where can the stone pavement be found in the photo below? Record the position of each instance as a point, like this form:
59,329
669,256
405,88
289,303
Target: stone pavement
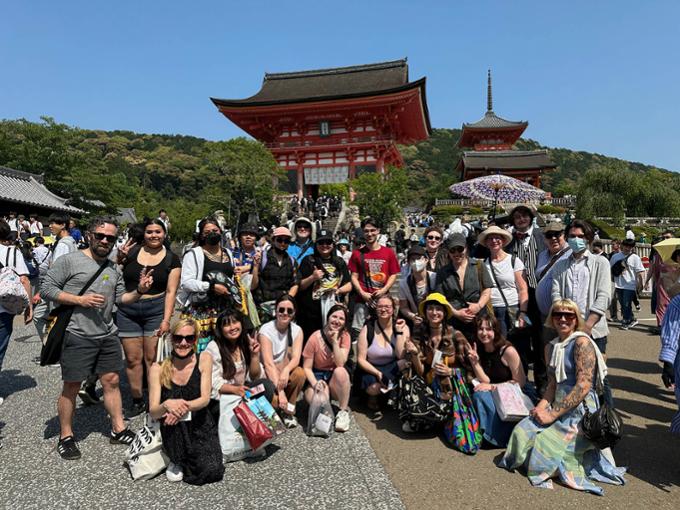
299,471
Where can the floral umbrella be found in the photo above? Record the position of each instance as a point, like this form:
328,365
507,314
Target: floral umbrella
499,188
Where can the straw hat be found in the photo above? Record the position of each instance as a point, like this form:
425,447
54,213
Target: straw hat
507,237
438,298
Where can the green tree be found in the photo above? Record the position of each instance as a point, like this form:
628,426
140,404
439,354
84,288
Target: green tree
382,196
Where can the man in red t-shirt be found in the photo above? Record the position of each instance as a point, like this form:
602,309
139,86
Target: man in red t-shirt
374,270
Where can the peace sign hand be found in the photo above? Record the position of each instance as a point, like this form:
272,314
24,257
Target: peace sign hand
145,280
473,356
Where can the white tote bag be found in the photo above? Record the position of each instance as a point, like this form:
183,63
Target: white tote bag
145,456
232,440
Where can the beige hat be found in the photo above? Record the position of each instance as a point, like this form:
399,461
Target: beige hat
554,226
507,237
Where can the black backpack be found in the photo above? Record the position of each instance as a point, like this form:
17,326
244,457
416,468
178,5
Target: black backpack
619,267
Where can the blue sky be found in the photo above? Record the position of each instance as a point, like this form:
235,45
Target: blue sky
599,76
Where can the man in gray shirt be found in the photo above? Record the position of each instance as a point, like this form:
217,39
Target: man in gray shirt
91,345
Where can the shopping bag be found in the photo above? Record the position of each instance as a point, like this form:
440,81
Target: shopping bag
232,441
510,402
254,429
461,431
145,456
321,416
265,412
417,403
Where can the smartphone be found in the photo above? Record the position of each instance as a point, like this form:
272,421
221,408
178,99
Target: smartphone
186,417
437,357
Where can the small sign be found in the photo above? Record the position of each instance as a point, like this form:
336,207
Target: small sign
324,128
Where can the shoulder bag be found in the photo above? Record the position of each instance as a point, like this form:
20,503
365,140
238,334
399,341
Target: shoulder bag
57,323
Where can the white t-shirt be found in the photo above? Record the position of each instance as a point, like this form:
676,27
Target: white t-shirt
7,259
36,228
279,340
505,274
634,266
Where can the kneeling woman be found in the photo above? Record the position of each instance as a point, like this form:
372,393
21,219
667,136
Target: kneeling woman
550,442
324,358
379,349
179,392
493,361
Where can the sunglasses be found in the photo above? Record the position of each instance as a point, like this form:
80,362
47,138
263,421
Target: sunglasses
100,237
287,311
283,240
190,339
552,235
457,249
563,315
434,238
325,242
303,227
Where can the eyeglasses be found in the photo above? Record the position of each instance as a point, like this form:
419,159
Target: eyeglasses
494,238
434,238
283,240
563,315
288,311
553,235
325,242
190,339
100,237
457,249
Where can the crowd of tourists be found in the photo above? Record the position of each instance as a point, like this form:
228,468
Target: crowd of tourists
300,314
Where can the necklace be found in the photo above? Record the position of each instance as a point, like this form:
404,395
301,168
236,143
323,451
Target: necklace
214,258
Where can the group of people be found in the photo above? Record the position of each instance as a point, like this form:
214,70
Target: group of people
304,313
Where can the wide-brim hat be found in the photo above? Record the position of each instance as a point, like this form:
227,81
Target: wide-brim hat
438,298
507,236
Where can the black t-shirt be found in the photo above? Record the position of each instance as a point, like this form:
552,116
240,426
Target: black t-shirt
161,272
335,275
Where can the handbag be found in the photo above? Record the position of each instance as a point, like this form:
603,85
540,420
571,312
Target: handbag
163,348
13,296
232,442
58,321
256,431
417,403
604,427
462,430
145,457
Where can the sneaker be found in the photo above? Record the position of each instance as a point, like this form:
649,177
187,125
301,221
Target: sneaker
290,421
68,448
88,394
407,427
625,325
637,307
342,421
174,473
632,323
135,409
260,453
125,436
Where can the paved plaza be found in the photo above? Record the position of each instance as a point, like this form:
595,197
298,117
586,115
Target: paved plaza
372,466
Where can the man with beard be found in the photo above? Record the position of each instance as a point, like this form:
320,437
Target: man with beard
91,343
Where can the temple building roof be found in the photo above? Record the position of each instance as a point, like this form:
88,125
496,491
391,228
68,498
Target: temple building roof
28,189
506,160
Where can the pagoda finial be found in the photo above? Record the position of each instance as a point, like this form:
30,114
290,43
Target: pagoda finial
489,97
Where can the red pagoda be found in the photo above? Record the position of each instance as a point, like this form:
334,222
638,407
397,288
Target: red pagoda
331,125
492,139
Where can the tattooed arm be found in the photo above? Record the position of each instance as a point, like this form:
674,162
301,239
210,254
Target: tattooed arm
586,362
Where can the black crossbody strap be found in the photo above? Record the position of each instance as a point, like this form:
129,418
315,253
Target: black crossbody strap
94,277
495,279
554,259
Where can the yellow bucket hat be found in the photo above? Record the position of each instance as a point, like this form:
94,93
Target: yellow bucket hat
438,298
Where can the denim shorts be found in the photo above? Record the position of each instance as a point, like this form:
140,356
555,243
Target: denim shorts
323,375
142,318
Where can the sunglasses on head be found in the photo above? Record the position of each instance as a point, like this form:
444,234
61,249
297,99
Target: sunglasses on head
565,315
434,238
284,310
190,339
100,237
284,240
552,235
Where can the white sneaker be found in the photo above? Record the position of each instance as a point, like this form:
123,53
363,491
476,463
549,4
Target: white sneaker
1,400
342,421
174,473
290,421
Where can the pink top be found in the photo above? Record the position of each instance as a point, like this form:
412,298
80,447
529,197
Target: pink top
317,349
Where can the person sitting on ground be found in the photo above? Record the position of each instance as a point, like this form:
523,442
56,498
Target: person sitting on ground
380,347
324,359
281,343
323,279
415,285
493,361
550,441
179,392
140,324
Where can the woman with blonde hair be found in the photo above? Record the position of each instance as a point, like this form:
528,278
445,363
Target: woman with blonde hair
179,392
550,442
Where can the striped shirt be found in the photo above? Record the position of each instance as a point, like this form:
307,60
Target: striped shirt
670,331
527,251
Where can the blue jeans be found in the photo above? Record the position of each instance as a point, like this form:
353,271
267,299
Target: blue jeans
607,390
626,299
6,323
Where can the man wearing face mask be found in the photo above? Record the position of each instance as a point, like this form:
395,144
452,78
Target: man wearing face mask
91,344
415,285
584,278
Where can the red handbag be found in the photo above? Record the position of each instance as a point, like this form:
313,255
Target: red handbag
256,432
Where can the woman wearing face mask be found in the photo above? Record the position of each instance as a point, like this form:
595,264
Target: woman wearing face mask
324,359
416,283
207,285
139,323
324,279
179,391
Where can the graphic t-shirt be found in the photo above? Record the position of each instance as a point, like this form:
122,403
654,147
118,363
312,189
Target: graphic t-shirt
378,266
